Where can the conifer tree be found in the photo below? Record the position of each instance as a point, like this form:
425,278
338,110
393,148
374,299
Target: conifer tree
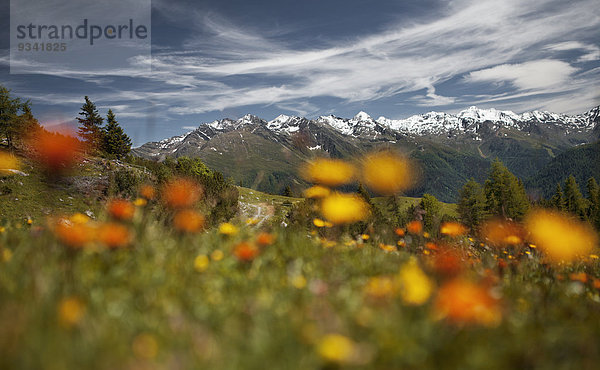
90,129
558,200
431,207
594,201
15,117
287,191
116,141
471,204
505,193
363,193
574,201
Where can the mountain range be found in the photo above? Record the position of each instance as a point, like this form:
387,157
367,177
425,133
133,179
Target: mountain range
449,148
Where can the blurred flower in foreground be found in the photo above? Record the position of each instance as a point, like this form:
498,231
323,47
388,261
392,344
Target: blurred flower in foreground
140,202
264,239
181,193
8,163
559,236
387,173
453,229
114,235
245,251
217,255
336,348
329,172
499,232
70,311
379,287
57,153
344,208
74,234
201,263
464,302
227,228
414,227
147,191
121,209
415,286
316,191
188,221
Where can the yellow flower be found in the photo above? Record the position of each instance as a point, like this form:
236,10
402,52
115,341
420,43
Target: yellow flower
415,286
387,247
140,202
29,221
227,228
2,229
560,237
70,311
365,236
8,163
329,172
379,287
79,219
316,191
453,229
344,208
217,255
252,221
201,263
336,348
318,222
298,281
387,173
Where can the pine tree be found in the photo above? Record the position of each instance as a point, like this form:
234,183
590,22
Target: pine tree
574,201
116,141
90,128
12,124
431,207
471,204
558,200
505,193
287,191
594,201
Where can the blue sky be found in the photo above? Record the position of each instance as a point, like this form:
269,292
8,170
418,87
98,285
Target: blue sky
216,59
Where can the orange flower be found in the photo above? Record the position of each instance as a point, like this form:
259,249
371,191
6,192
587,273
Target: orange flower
181,193
596,283
328,172
56,152
387,247
500,232
447,263
114,235
464,302
264,239
400,232
245,251
579,276
73,234
188,221
387,173
121,209
414,227
147,191
70,311
453,229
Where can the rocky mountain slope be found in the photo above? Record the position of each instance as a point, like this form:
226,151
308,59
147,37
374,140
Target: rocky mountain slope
265,155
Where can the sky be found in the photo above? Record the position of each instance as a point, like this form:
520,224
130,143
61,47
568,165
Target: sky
212,59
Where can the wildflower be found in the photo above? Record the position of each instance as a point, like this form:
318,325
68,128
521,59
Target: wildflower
387,173
8,163
463,302
431,246
70,311
365,237
299,282
73,234
453,229
201,262
55,152
336,348
328,172
145,346
387,247
245,251
318,222
317,191
252,221
217,255
401,243
79,218
140,202
560,237
415,286
188,221
379,287
414,227
579,276
181,193
227,228
500,232
400,232
147,191
29,221
121,209
114,235
344,208
264,239
447,263
596,283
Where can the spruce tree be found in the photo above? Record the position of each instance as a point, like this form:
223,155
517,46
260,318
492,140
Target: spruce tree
594,201
116,141
574,201
505,193
431,207
90,129
287,191
471,204
15,117
558,200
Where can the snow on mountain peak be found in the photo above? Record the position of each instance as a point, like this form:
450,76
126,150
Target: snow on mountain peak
362,116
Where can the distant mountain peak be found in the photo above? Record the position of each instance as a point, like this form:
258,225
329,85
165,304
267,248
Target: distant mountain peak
362,116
